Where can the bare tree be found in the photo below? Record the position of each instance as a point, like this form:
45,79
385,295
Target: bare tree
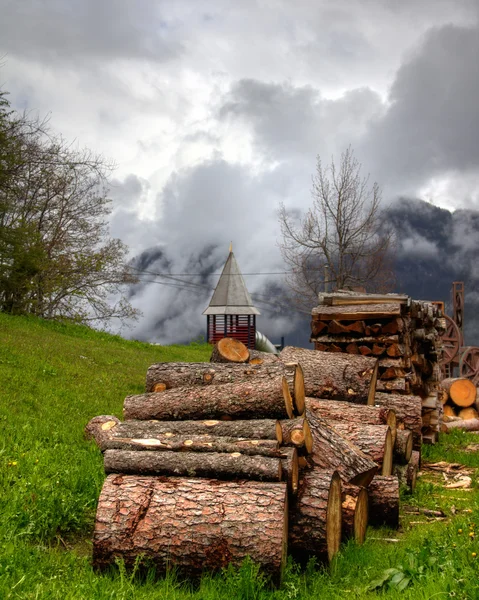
341,242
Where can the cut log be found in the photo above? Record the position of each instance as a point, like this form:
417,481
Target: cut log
384,501
192,464
467,425
190,524
256,357
374,440
243,400
356,327
408,411
355,505
97,428
468,413
290,469
316,515
393,385
407,474
194,443
229,350
449,411
256,429
403,446
352,349
296,432
460,390
317,327
335,327
331,451
181,374
335,376
353,413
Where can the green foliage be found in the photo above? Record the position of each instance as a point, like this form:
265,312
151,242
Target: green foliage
56,376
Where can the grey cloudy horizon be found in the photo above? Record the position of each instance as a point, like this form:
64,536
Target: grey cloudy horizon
214,112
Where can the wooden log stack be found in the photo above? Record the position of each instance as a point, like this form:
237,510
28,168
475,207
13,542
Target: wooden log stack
403,334
220,460
460,399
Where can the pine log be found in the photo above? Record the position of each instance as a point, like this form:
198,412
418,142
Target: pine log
374,440
193,443
384,501
403,446
183,374
229,350
99,427
353,413
408,411
467,425
256,429
407,474
449,411
468,413
192,464
460,390
393,385
257,357
244,400
190,524
290,469
338,376
296,432
355,505
315,515
331,451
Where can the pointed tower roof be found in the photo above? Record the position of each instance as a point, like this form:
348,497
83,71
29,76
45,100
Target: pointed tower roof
231,296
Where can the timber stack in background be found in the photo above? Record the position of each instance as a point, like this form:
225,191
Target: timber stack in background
403,334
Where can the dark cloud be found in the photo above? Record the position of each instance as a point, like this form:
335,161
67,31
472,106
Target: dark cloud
78,31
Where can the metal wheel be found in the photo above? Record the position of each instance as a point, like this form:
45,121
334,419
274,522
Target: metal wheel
469,364
451,342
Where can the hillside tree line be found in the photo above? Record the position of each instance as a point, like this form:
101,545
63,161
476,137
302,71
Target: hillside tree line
57,260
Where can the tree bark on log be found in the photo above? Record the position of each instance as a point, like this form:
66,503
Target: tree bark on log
256,357
290,469
193,464
403,447
315,515
181,374
374,440
334,375
353,413
408,411
243,400
191,524
467,425
355,505
384,501
99,428
296,432
407,474
256,429
331,451
229,350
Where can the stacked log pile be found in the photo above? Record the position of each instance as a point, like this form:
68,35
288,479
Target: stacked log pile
460,399
401,333
222,460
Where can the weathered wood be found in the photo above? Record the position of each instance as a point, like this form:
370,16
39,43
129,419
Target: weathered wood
393,385
356,312
407,474
348,412
355,505
315,515
256,429
384,501
243,400
408,411
317,327
332,451
229,350
190,524
181,374
296,432
193,464
403,446
460,390
374,440
335,376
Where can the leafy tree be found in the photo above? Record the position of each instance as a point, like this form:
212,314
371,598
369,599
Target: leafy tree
341,242
56,257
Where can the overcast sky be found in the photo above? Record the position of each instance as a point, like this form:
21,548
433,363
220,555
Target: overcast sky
214,112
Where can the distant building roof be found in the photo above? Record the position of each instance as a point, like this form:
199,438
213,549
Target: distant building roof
231,296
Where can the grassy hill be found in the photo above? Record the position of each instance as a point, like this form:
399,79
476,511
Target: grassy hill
55,377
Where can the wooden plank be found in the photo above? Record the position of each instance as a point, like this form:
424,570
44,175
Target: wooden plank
356,312
344,299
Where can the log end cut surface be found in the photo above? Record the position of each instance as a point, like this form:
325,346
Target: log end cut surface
361,516
230,350
334,517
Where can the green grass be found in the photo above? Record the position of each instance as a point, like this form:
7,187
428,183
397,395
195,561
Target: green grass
55,377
